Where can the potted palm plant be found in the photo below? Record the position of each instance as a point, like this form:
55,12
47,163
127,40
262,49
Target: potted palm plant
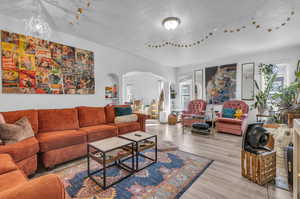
263,95
285,100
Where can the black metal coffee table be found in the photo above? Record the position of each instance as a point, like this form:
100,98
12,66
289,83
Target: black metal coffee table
142,141
108,153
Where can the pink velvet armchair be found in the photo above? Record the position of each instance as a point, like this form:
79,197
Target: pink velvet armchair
233,125
195,112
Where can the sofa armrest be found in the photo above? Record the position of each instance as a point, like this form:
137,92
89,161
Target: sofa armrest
244,116
21,150
142,120
185,112
6,164
45,187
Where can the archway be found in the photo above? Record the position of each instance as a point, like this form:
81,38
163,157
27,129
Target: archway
146,90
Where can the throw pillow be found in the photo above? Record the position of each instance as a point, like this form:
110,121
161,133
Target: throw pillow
238,113
120,111
12,133
228,112
2,120
126,118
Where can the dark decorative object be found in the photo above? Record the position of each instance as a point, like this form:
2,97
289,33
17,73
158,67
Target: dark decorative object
202,128
172,92
289,157
256,138
258,162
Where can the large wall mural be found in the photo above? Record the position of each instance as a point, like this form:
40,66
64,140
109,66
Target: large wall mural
220,83
35,66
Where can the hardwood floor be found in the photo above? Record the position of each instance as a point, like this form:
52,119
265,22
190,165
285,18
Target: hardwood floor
223,178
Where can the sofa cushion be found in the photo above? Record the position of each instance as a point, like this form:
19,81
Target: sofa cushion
13,116
6,164
58,119
100,132
110,112
21,150
126,118
228,127
14,178
91,116
127,127
59,139
44,187
229,120
12,133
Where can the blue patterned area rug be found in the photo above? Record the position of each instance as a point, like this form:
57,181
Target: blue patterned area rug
169,178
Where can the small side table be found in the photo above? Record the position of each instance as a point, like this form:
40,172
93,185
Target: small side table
259,168
105,153
142,141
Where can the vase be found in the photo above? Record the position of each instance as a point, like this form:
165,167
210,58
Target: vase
261,109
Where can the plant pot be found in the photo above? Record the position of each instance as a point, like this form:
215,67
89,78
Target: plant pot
261,110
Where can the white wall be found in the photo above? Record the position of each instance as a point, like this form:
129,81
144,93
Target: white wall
288,55
107,60
145,86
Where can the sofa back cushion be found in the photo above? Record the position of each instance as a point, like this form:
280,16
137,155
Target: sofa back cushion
58,119
110,112
13,116
91,116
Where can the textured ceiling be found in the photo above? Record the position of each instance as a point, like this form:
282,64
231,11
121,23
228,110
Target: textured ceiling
128,25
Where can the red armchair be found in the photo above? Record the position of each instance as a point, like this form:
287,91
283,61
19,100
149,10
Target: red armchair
196,109
233,125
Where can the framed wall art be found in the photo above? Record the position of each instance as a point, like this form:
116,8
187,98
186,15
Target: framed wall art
198,84
35,66
220,83
248,72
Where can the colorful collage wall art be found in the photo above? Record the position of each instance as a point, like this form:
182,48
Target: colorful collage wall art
35,66
220,83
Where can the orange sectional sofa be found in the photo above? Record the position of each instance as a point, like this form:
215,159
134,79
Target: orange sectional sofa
15,185
25,152
63,134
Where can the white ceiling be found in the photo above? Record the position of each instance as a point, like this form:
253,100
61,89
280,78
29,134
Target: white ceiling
129,24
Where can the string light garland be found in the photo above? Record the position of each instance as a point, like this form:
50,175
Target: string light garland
281,25
80,11
196,43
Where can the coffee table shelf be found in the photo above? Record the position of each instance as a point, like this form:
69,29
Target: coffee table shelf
108,153
97,156
142,141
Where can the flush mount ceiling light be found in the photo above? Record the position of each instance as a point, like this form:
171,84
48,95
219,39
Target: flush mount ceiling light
171,23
